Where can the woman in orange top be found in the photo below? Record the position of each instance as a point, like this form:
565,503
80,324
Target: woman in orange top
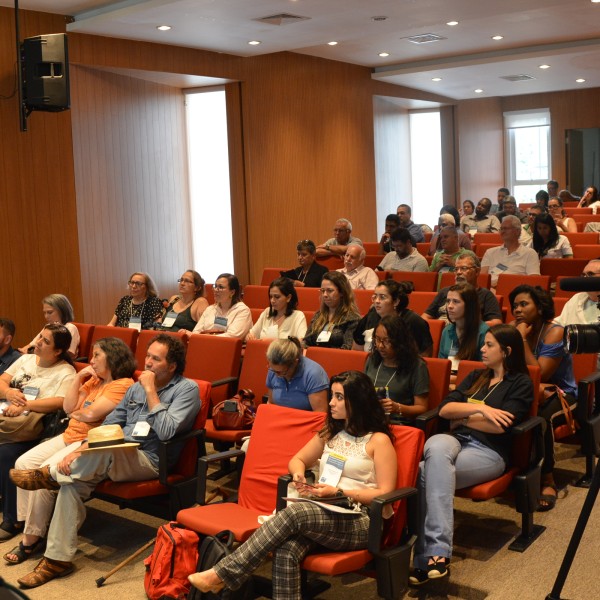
95,392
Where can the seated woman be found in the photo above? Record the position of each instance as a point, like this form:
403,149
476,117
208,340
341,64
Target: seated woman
93,394
36,383
309,273
141,308
294,380
397,371
228,316
481,411
546,240
533,309
468,208
557,212
185,308
57,309
590,199
462,338
281,319
356,429
334,323
391,298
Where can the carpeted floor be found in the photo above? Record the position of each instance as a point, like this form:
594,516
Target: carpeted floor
482,566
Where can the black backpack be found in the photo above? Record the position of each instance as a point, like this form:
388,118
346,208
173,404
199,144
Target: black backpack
212,549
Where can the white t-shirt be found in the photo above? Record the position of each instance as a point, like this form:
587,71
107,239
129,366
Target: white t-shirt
51,381
561,249
413,262
235,322
294,325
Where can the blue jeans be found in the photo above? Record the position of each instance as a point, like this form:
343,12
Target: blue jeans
449,464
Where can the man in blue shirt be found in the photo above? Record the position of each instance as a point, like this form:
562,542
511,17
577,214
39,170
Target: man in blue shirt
159,406
404,212
8,354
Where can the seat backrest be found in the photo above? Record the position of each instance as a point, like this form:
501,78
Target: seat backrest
447,279
269,274
256,296
436,326
584,365
86,332
419,301
372,260
256,312
507,282
372,248
586,251
129,336
331,263
559,304
422,281
278,434
209,293
213,357
143,342
308,298
481,249
363,300
335,360
562,293
487,238
581,237
439,380
253,375
556,267
408,443
423,248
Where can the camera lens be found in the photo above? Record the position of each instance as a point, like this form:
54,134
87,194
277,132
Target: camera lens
582,339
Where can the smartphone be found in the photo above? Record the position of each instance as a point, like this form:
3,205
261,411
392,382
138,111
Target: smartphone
230,406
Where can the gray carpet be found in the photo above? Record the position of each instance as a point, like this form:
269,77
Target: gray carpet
482,566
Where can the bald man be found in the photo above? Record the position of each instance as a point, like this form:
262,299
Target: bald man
359,276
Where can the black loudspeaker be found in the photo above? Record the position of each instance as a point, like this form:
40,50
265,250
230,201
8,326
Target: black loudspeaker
45,72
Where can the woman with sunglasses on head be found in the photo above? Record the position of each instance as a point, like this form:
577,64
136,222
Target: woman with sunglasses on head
310,272
481,411
391,298
185,308
546,240
399,374
557,212
334,323
281,319
228,316
142,308
57,309
356,429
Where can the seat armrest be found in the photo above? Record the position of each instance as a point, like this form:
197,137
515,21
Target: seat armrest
224,381
537,426
425,418
202,472
282,485
165,446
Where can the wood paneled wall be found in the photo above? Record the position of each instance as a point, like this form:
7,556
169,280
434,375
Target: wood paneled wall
37,194
131,179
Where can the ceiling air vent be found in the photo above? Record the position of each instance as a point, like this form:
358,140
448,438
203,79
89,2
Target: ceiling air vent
282,19
425,38
517,77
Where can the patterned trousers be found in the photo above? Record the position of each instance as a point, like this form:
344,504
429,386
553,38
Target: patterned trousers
290,535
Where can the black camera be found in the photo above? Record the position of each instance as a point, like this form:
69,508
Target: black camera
582,339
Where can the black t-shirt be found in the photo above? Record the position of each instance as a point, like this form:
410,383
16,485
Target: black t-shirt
313,277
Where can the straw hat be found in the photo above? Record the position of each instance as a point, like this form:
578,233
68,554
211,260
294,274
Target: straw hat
107,437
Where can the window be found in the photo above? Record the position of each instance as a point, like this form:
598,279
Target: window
528,152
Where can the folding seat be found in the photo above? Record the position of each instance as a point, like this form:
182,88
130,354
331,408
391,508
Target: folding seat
556,267
447,279
256,296
335,361
419,301
585,252
308,298
487,238
422,282
269,274
143,342
372,248
85,339
436,326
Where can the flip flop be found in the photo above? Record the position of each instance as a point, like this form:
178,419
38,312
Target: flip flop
23,552
549,499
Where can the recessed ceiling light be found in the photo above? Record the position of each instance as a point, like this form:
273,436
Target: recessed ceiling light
595,1
580,80
332,43
497,38
254,43
379,18
384,54
452,23
478,91
544,66
436,79
163,27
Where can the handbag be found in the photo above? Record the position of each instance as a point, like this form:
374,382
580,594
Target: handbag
237,413
23,428
555,404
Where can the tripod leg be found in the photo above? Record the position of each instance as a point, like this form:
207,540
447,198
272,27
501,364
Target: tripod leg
584,515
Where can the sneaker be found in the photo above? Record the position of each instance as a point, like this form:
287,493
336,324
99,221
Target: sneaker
418,577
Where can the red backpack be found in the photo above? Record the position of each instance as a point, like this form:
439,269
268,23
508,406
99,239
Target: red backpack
175,556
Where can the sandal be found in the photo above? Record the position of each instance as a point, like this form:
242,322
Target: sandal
9,530
418,577
549,499
22,552
438,569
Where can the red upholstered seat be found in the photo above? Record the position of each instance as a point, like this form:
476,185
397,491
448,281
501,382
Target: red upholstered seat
422,282
335,361
85,339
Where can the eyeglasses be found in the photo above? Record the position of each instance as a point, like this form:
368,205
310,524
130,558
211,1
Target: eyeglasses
383,341
590,274
136,284
461,269
381,297
553,206
183,280
219,288
282,372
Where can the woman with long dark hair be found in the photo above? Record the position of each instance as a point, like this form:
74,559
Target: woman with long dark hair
397,371
481,411
546,240
186,307
356,429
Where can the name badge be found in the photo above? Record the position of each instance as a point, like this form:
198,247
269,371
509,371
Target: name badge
332,472
169,319
368,335
475,401
324,337
221,323
501,267
86,404
141,429
271,332
30,392
135,323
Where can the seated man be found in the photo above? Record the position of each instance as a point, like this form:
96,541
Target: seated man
527,229
542,198
552,187
509,207
159,406
444,259
404,211
467,269
447,220
359,276
481,221
405,256
511,257
392,222
336,246
8,354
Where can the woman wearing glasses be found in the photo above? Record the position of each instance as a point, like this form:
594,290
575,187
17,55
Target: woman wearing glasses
228,316
309,273
397,371
185,308
142,307
294,380
557,212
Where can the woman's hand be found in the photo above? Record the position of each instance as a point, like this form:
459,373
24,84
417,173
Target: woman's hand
322,490
64,466
87,372
13,410
15,397
497,416
524,329
387,405
298,480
